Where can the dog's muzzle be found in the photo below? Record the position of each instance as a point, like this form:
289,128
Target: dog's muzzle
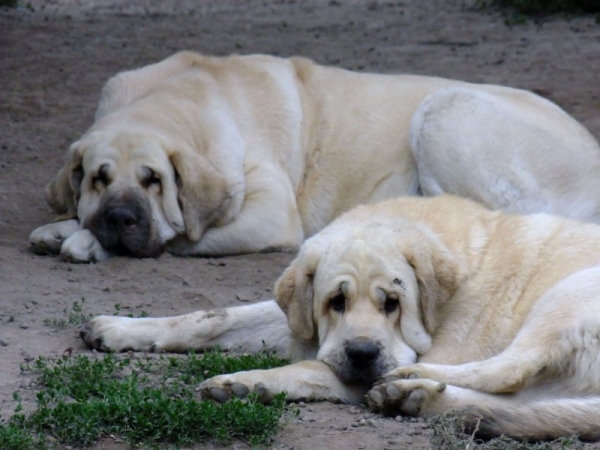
361,352
122,224
361,360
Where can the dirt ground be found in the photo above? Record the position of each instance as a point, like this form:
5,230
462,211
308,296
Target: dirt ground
54,60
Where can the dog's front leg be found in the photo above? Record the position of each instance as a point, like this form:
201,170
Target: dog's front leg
247,328
66,237
49,238
308,380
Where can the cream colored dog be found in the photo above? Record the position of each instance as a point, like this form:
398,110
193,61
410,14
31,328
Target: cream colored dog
215,156
434,305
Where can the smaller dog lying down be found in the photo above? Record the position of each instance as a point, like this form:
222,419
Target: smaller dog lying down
420,306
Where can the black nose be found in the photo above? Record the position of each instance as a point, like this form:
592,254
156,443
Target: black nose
121,218
362,352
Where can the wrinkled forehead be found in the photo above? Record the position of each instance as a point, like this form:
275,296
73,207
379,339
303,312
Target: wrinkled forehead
362,262
120,151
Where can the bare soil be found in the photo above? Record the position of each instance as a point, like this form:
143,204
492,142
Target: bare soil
54,59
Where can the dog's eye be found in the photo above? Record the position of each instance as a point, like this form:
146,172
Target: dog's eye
391,305
338,303
151,179
101,178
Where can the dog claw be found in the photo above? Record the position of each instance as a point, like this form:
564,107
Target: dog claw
264,395
441,387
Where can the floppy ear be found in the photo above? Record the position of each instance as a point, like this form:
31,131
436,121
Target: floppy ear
170,201
201,190
211,178
438,272
63,192
294,294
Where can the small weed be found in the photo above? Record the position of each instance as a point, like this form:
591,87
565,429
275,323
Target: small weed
146,402
118,311
74,316
451,432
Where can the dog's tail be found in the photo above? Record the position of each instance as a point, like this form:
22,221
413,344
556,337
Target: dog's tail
538,420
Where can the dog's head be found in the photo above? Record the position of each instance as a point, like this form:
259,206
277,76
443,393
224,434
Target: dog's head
135,184
369,293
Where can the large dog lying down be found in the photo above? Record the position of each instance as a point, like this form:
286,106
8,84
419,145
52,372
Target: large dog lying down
434,304
216,156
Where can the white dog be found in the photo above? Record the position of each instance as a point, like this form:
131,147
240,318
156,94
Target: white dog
214,156
454,305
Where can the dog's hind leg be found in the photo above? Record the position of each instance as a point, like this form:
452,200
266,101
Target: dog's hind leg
559,340
537,414
507,149
247,328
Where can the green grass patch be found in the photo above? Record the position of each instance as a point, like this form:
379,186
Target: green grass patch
146,402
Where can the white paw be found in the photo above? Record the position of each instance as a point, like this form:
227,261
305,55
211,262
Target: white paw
116,334
222,387
405,396
48,238
83,247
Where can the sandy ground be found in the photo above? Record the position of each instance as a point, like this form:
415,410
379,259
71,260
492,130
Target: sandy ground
54,61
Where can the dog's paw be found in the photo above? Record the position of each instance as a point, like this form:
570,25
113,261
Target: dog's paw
83,247
49,238
180,246
222,387
406,373
407,397
115,334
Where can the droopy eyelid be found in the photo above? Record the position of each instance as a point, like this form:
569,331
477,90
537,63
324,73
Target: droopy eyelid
101,175
151,177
